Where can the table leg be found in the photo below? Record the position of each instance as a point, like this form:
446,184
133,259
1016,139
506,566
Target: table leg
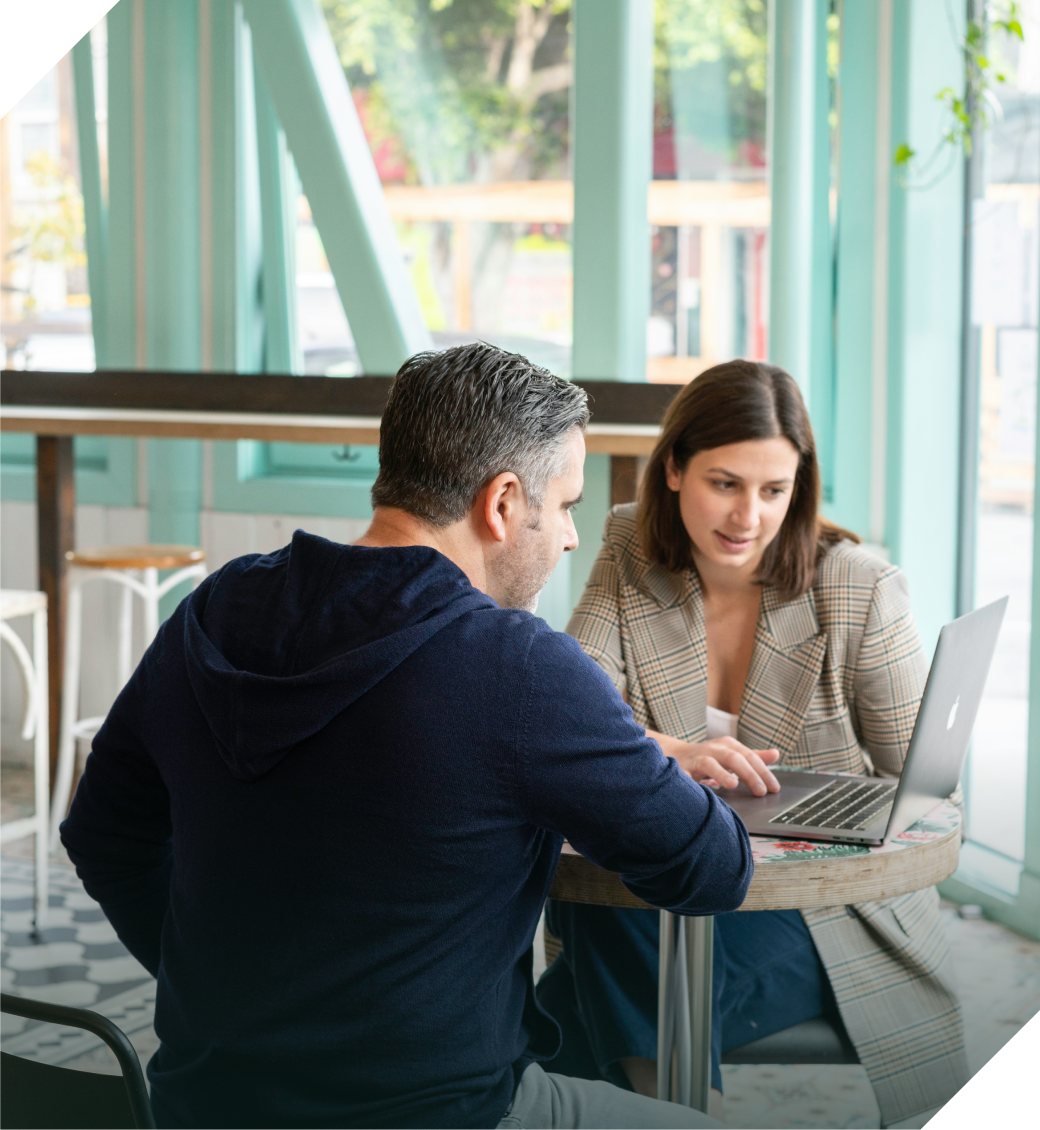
681,1092
55,524
684,1010
665,1005
700,933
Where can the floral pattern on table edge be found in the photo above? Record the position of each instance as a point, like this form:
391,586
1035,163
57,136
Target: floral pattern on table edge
942,820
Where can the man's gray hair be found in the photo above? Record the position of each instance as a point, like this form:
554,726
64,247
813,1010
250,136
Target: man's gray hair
456,419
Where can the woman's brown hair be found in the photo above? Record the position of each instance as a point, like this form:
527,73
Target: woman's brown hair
732,403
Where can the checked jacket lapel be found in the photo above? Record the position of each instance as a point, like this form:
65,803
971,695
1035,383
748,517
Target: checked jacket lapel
783,676
665,634
665,631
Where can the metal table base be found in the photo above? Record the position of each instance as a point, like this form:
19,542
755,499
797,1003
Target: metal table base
684,1010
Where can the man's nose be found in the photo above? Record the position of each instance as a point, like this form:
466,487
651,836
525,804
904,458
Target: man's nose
570,536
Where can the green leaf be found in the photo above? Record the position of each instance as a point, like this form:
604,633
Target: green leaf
1012,27
904,154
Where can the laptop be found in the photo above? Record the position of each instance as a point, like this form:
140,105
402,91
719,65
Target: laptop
842,808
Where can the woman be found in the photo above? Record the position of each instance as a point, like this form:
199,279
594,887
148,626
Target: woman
743,630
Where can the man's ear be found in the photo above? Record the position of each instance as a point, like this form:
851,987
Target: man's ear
502,498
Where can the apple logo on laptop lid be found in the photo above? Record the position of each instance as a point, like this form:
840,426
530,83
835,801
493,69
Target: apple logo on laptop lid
953,714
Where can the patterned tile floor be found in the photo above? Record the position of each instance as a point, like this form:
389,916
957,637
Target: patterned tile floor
79,961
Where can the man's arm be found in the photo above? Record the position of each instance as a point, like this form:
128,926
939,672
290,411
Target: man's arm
118,829
587,771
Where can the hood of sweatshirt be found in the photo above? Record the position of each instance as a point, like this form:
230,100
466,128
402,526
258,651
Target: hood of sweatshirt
278,645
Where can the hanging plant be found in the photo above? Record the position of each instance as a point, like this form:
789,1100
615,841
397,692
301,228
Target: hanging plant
966,113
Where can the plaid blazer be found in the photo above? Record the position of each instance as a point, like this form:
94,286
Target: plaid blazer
835,680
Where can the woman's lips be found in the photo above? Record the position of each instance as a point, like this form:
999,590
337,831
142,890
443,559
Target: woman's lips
731,544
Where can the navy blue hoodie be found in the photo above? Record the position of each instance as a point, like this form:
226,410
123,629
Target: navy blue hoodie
325,812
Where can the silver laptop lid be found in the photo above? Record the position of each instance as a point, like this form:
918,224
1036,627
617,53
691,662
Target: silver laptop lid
939,743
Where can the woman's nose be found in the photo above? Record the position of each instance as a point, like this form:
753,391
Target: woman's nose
745,513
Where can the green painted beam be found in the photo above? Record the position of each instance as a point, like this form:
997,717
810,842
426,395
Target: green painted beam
125,106
800,262
295,51
250,301
232,230
924,323
172,184
278,208
821,373
860,254
612,131
95,212
172,276
220,35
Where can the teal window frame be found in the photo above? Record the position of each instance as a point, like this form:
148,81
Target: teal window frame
106,469
285,478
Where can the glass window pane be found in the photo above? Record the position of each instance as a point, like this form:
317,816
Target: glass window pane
38,138
466,109
709,288
322,329
45,307
43,97
1005,296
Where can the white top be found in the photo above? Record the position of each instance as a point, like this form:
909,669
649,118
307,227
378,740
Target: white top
721,724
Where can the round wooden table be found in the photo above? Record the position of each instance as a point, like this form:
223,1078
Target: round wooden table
789,875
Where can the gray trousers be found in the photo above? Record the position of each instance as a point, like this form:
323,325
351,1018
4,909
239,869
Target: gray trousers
544,1102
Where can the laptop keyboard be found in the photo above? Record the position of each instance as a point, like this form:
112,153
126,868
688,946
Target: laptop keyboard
843,806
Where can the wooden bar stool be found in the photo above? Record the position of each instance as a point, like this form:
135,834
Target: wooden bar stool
136,569
33,670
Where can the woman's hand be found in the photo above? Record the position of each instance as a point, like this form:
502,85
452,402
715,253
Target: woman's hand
723,762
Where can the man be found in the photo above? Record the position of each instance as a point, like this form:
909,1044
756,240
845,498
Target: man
326,810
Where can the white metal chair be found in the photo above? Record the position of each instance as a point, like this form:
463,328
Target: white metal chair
33,670
136,569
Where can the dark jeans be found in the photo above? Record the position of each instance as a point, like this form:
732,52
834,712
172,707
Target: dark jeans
602,989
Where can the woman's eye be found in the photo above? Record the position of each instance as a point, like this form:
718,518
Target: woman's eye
724,484
774,492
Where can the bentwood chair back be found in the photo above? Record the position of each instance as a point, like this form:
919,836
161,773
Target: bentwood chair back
135,569
42,1095
15,603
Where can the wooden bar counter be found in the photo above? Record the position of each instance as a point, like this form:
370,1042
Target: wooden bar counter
230,406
